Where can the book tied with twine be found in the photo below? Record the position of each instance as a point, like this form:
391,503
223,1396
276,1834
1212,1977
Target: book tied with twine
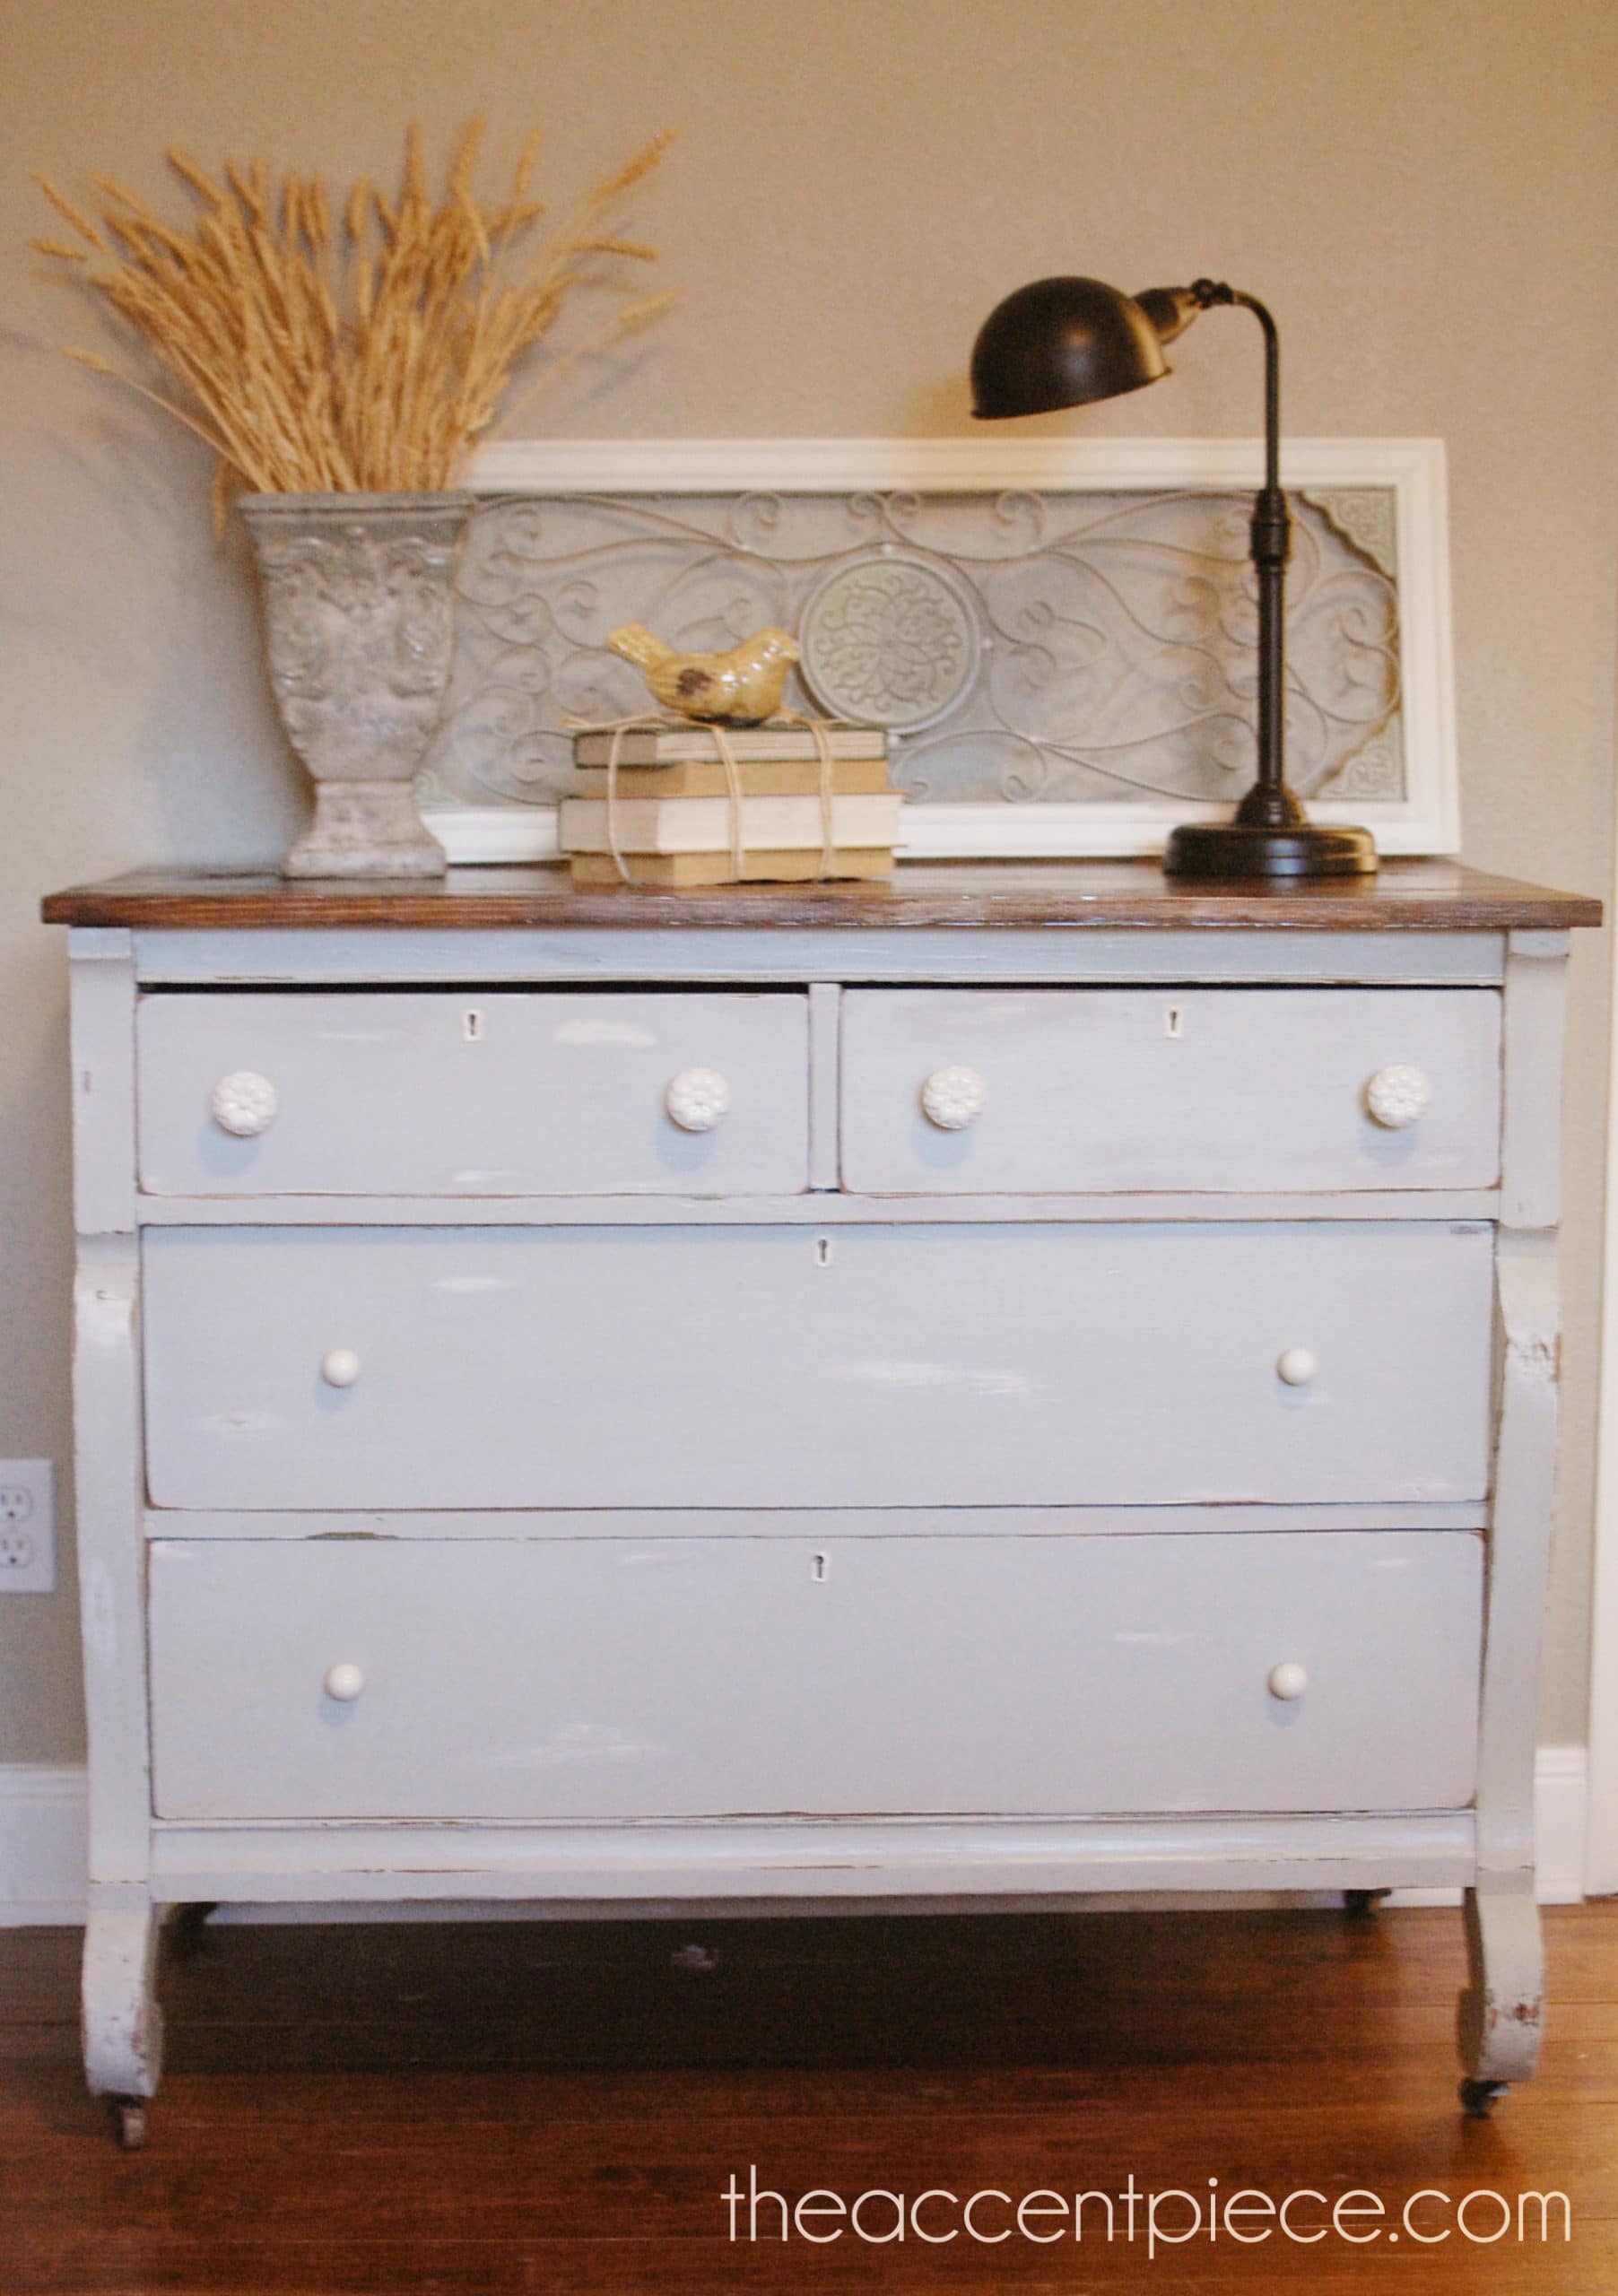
671,803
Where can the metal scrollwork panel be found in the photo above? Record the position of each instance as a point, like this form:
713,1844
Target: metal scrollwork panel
1021,648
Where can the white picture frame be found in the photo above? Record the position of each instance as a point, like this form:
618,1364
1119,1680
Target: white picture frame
1425,821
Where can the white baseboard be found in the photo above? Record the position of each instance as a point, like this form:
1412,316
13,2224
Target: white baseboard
42,1846
1560,1797
1561,1813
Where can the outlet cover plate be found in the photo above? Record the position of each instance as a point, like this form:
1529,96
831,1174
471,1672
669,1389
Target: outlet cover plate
28,1527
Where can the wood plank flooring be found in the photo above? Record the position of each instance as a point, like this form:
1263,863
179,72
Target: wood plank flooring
361,2110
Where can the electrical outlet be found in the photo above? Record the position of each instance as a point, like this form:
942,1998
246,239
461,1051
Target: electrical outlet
28,1530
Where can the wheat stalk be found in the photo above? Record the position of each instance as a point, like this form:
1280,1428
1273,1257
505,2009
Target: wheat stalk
360,344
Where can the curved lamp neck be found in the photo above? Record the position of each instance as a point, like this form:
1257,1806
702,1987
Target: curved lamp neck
1208,294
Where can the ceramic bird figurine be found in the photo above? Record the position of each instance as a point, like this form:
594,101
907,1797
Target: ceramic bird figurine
740,688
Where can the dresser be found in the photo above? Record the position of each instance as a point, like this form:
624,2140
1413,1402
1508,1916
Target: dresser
1033,1382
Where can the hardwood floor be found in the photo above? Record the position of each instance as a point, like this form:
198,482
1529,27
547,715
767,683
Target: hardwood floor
542,2107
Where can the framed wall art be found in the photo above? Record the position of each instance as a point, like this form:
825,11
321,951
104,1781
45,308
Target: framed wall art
1058,633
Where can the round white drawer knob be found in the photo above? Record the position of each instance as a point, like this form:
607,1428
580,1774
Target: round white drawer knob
344,1683
1289,1679
953,1098
244,1103
339,1367
1295,1367
698,1099
1396,1096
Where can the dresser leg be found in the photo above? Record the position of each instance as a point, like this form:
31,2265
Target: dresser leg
1502,2009
123,2024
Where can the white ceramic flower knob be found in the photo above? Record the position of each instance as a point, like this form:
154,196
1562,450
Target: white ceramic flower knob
953,1098
1295,1367
244,1103
340,1367
698,1099
1289,1679
344,1682
1398,1096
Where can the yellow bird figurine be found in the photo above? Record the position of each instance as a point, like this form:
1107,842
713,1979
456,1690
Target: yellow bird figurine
740,688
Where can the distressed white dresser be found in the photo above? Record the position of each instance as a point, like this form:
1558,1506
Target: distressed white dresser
1036,1382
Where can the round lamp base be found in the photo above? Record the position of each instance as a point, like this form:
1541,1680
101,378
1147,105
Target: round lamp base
1233,850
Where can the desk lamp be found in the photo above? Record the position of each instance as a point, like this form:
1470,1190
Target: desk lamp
1065,342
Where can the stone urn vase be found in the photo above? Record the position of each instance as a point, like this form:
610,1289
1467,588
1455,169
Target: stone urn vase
359,615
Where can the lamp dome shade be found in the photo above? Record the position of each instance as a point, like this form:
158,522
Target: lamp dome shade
1062,342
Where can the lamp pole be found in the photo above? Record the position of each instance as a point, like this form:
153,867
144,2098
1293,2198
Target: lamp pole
1269,804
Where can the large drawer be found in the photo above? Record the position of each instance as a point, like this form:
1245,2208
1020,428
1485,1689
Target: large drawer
1098,1088
705,1677
874,1366
468,1093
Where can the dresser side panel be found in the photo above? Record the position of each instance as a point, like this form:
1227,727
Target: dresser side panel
102,1051
1536,995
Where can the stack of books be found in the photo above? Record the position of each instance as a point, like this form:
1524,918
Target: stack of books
673,810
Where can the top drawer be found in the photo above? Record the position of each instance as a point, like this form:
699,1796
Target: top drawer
1053,1091
470,1092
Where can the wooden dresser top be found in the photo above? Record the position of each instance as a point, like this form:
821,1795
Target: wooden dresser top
1405,896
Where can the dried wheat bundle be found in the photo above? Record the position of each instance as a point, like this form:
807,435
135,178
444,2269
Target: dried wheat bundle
366,350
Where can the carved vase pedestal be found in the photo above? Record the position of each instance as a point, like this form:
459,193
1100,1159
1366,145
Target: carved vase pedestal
359,614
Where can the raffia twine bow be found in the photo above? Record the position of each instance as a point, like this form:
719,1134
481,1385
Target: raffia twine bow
660,721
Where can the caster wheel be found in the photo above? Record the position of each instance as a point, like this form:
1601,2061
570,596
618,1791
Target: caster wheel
1477,2097
129,2123
189,1931
1358,1903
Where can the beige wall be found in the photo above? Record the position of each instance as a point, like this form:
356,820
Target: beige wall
1425,190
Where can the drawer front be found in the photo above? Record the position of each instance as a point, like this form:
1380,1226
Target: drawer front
878,1366
474,1092
1227,1089
706,1677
